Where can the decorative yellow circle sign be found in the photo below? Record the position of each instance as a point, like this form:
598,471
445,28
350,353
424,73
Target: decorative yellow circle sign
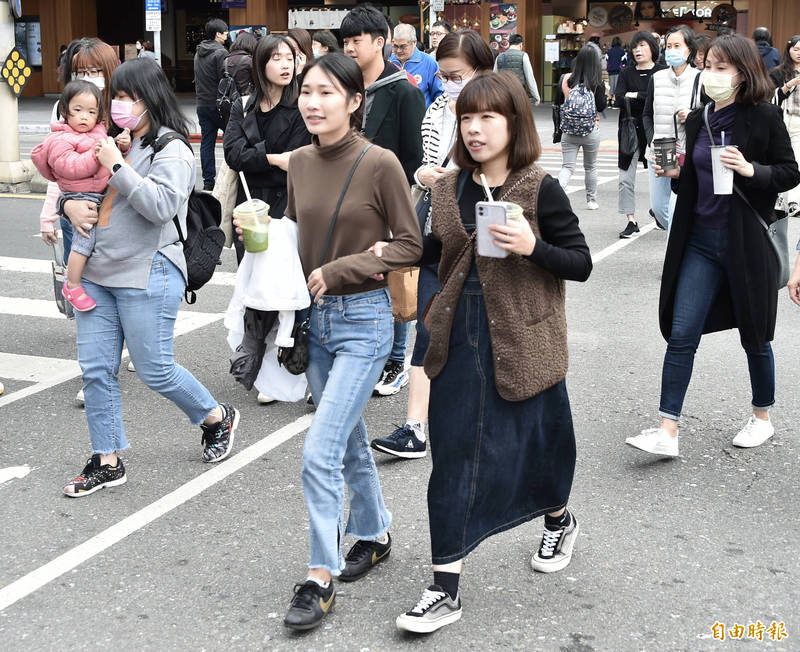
16,71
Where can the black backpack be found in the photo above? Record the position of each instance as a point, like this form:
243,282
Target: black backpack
204,239
227,93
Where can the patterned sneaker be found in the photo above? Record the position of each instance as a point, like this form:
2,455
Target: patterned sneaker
394,378
95,477
656,441
403,442
555,550
435,609
309,605
629,230
755,432
217,439
363,556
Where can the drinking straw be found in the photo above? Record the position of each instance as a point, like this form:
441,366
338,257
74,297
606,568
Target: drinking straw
486,187
244,185
723,138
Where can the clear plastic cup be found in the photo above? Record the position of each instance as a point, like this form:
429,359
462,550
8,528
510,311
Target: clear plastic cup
513,211
723,177
253,218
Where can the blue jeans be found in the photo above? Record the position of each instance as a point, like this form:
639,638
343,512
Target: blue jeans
705,270
662,199
145,320
350,339
400,341
66,234
210,122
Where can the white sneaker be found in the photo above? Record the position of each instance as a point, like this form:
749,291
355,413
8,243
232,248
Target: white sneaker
755,432
656,441
435,609
2,388
592,205
79,397
263,399
555,549
130,366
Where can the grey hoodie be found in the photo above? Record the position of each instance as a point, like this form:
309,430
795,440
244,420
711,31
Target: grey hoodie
208,71
142,199
382,81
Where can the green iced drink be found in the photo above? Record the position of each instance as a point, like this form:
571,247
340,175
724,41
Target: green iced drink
253,218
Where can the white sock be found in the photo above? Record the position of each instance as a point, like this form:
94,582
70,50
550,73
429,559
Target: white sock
384,539
324,585
418,427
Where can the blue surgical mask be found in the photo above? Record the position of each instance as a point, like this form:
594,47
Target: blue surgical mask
675,57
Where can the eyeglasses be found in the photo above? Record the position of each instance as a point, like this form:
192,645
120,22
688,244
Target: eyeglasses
400,47
438,33
89,72
457,79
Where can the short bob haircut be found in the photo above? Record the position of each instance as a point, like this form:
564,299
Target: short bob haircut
266,47
143,79
499,93
646,37
466,43
743,53
689,38
213,27
80,87
345,74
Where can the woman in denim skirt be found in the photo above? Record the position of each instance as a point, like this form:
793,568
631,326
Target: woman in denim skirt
501,434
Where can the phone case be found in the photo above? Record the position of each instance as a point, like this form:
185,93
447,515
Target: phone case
487,213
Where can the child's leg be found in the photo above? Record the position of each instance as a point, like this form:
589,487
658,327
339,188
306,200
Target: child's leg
75,264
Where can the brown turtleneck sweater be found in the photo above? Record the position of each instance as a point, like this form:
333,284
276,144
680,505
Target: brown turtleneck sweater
377,203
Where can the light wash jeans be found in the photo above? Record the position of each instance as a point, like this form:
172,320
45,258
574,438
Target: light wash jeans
400,341
145,320
662,199
569,148
350,340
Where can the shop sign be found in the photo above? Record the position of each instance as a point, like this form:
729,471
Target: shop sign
152,21
437,5
234,4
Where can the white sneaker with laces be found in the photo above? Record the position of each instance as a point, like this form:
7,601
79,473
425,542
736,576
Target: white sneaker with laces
592,205
755,432
435,609
263,399
555,549
130,366
656,441
79,397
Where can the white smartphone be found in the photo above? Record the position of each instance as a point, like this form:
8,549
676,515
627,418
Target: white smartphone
487,213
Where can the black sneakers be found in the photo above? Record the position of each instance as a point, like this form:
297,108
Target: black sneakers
309,605
435,609
403,442
555,549
95,477
629,230
217,439
362,557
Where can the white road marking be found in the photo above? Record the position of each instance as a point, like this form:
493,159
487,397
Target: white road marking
611,249
66,562
34,368
14,473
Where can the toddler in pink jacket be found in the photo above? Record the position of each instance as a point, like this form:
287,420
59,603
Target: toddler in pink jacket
67,156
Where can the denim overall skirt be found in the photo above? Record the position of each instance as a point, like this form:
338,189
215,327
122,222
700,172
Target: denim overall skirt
496,463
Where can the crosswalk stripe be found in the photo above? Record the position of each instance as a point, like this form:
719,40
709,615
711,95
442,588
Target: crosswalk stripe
34,368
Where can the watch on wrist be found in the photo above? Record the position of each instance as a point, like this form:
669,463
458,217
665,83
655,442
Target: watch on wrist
115,167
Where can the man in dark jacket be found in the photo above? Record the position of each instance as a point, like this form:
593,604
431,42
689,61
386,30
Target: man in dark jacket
393,112
208,62
763,40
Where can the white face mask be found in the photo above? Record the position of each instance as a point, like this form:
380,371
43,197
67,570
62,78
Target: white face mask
99,81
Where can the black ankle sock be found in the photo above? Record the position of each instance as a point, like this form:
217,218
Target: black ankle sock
448,581
557,521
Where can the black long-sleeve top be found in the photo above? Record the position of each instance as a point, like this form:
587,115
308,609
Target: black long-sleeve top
631,79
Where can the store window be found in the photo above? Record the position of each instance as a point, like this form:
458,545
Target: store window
28,39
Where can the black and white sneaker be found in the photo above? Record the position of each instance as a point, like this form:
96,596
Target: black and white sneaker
394,378
95,477
403,442
555,550
363,556
793,210
435,609
217,439
309,605
629,230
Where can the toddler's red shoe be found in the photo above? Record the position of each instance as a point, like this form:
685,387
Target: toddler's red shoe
78,298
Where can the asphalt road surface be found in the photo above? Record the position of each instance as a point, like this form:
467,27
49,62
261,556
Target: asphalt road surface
191,557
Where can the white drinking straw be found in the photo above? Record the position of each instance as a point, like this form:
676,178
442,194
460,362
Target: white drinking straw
723,138
244,185
486,187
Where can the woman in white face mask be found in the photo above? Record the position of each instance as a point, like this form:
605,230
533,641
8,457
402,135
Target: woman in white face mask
720,271
461,57
671,94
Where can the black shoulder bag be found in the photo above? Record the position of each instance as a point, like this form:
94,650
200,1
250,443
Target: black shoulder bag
295,358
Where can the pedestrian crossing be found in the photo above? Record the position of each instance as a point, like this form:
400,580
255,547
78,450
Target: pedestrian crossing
607,169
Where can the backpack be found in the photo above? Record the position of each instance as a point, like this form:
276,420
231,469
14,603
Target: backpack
204,239
579,112
227,93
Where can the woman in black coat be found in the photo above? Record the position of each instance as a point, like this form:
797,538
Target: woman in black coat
720,271
261,135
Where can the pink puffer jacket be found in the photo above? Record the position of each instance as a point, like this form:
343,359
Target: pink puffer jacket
67,157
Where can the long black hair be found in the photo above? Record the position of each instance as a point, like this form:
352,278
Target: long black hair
587,68
267,46
346,74
143,79
787,64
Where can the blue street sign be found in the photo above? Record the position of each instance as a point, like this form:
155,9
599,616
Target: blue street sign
152,5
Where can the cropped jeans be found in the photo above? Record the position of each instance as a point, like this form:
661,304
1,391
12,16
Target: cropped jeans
705,270
349,343
145,321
